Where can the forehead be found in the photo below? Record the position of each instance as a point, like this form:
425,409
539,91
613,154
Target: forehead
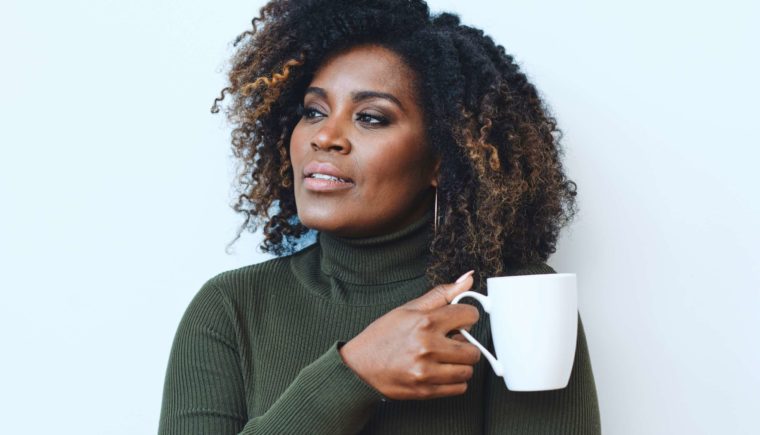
366,67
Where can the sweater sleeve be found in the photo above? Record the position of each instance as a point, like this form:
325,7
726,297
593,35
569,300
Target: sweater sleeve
204,392
573,410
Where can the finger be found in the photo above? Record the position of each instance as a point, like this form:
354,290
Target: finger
441,295
458,337
450,317
453,332
435,391
443,374
448,351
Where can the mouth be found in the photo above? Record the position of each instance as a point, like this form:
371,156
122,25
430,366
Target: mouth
325,172
324,183
320,176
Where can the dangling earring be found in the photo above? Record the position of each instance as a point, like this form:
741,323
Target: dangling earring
435,213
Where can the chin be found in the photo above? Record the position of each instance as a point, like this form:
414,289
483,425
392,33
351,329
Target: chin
319,219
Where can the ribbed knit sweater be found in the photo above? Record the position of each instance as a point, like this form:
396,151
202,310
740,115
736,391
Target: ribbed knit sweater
256,352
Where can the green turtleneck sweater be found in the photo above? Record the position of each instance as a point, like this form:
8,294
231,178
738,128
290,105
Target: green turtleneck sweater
256,352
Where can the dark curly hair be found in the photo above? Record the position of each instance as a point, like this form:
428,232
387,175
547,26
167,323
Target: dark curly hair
503,195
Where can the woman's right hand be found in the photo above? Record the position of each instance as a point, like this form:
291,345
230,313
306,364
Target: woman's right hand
406,354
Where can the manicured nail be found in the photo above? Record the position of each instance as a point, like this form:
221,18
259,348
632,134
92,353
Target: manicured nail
464,277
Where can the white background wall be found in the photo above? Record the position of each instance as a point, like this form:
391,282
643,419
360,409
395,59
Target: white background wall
114,188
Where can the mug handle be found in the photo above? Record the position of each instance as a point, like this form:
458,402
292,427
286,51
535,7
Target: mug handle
486,303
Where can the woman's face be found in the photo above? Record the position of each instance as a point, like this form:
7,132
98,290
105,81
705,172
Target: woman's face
361,164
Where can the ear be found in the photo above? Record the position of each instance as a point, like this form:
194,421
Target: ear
436,171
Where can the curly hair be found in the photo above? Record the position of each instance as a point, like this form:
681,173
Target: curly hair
502,192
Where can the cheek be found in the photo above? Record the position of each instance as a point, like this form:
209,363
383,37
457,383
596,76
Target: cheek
296,151
397,169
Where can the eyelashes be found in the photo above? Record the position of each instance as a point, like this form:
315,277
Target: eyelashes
381,120
363,117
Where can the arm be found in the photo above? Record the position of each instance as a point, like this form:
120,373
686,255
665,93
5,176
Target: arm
573,410
204,390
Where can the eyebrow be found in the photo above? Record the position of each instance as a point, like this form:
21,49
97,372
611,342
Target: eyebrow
358,96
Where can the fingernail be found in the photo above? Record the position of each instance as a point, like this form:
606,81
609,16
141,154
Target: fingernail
464,277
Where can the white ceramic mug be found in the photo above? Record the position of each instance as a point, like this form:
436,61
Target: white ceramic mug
534,325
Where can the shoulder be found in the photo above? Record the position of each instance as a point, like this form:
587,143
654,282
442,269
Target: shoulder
231,292
256,278
530,269
223,302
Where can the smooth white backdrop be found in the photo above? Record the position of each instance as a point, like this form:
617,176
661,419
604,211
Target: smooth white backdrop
114,188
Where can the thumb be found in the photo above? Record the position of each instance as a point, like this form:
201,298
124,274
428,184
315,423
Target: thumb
441,295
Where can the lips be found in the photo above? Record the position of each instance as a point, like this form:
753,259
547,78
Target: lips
325,169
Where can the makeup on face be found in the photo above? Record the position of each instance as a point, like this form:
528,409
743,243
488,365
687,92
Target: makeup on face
359,154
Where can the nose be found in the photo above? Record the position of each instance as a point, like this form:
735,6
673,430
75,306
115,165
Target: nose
330,137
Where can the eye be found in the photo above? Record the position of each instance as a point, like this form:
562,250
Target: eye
307,112
372,120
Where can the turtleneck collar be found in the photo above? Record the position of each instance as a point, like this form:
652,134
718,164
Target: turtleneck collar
398,256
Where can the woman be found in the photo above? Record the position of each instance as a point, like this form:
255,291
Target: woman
414,149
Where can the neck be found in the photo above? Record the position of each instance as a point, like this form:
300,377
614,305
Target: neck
397,256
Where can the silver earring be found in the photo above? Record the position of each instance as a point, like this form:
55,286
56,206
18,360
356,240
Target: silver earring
435,213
